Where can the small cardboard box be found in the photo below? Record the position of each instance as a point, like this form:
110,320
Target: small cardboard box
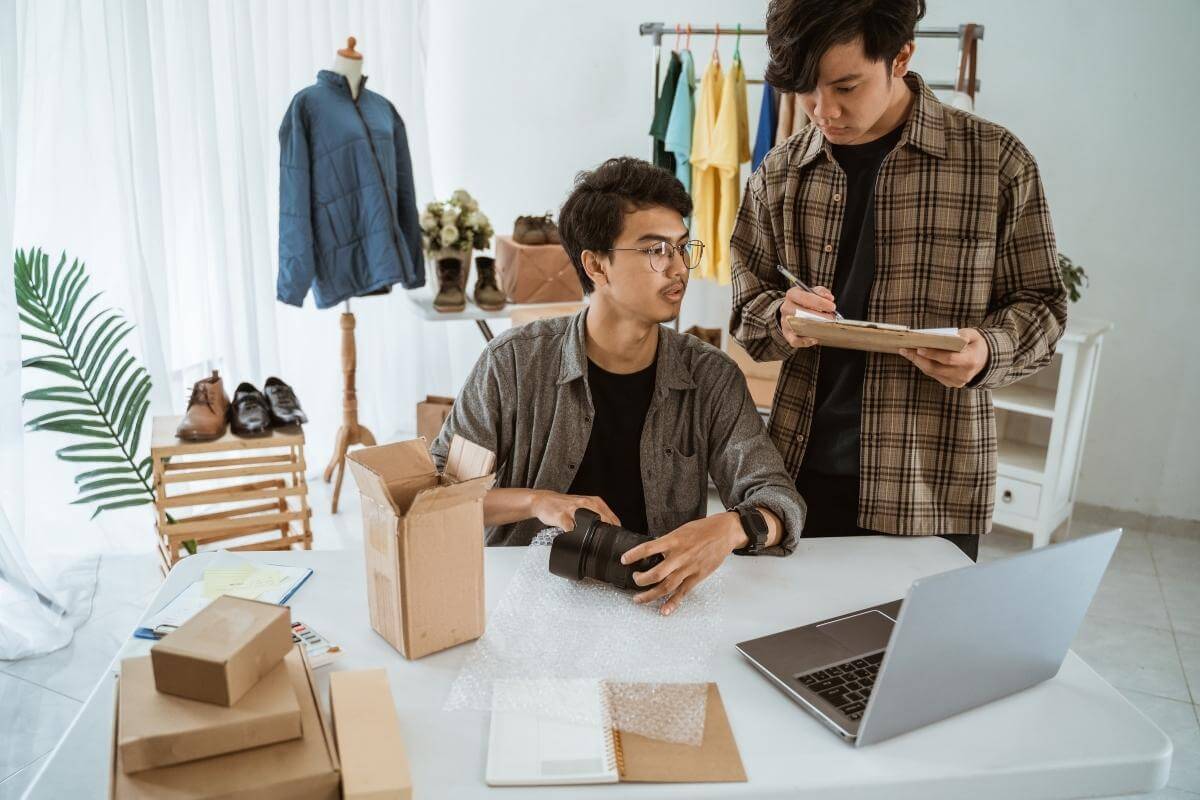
423,534
431,414
761,376
300,769
367,732
158,729
536,273
217,655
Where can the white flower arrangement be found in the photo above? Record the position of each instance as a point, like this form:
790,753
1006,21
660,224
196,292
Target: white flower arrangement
455,224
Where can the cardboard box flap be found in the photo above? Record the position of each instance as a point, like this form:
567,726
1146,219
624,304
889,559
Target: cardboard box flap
377,469
716,760
467,460
442,497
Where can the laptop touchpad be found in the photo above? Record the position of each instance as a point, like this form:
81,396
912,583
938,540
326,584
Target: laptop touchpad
869,630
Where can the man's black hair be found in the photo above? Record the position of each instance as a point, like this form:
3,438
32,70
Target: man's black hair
593,215
800,32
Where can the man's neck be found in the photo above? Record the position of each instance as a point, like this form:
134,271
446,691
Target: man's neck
619,344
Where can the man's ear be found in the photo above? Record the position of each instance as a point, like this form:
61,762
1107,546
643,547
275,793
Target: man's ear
903,59
595,267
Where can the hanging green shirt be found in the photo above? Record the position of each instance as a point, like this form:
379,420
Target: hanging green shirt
662,113
678,140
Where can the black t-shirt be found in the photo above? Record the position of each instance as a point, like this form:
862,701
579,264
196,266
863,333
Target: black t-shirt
837,416
612,464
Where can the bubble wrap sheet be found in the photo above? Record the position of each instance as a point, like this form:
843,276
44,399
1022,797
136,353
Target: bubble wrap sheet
548,631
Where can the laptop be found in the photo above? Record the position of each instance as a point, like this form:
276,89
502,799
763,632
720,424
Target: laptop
958,640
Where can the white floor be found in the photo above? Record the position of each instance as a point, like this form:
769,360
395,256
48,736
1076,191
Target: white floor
1142,633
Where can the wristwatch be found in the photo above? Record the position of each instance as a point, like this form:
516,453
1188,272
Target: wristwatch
754,524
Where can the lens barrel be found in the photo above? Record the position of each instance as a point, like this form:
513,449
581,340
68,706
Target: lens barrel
594,549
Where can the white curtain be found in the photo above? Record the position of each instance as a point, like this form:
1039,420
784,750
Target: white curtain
146,145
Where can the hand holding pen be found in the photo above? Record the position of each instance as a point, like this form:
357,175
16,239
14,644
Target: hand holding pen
816,301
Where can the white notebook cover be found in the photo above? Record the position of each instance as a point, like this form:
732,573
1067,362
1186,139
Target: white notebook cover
525,749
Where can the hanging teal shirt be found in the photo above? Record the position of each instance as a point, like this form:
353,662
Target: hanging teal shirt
678,139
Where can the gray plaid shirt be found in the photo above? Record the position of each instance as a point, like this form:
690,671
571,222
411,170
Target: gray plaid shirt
527,400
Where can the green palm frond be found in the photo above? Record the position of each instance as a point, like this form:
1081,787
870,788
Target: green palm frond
102,392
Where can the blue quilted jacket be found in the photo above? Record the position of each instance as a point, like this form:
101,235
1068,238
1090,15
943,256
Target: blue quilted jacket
348,221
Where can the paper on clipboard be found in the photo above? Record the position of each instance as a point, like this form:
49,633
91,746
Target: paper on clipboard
877,337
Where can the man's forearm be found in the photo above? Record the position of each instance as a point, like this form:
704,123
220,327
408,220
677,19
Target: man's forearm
774,529
503,506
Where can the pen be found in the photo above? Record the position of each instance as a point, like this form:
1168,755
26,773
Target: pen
797,282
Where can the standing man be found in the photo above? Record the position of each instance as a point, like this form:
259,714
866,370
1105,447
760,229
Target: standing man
895,208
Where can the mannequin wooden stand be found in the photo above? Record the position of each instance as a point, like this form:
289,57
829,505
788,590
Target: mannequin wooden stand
351,433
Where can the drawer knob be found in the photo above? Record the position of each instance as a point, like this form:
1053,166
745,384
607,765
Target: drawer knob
1007,496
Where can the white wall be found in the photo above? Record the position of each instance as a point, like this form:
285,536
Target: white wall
524,94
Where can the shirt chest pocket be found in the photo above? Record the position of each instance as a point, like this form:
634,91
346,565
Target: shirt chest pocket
684,482
961,273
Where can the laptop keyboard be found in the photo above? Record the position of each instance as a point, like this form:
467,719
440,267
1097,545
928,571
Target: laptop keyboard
846,685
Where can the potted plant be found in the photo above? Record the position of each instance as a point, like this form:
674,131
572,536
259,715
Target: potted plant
453,228
1073,277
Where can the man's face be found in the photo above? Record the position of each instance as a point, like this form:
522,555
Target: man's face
853,93
629,282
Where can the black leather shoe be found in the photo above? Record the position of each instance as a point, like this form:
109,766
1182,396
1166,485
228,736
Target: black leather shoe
285,408
249,413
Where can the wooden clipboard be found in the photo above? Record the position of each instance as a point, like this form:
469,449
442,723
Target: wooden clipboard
872,340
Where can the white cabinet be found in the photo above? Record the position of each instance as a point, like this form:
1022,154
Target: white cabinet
1040,426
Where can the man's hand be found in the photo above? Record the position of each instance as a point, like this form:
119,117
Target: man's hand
690,553
558,510
955,370
818,301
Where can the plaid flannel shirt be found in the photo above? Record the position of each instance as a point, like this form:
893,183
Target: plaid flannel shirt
963,239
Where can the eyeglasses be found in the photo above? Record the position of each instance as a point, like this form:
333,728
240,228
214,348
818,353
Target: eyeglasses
661,254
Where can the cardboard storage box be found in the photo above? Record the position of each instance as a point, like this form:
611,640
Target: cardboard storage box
217,655
367,732
536,273
431,414
158,729
761,376
300,769
423,534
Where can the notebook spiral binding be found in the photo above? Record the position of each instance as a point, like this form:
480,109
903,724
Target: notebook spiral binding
615,754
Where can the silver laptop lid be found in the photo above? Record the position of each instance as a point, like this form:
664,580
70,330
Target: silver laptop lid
976,634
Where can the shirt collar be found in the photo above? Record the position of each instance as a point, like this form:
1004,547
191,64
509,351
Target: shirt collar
924,129
671,372
339,82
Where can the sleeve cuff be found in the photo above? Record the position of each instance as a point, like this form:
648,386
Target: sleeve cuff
1000,358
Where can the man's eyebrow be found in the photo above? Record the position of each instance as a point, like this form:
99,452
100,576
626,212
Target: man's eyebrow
660,237
851,77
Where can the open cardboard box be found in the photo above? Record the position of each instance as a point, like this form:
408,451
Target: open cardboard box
423,534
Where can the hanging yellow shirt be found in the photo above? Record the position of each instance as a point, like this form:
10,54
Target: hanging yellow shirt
705,175
730,148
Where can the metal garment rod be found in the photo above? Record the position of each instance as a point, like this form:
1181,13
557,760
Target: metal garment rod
658,29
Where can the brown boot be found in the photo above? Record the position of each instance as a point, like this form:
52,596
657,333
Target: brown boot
529,230
207,411
487,292
450,296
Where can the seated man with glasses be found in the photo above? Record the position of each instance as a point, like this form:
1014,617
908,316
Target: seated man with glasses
610,411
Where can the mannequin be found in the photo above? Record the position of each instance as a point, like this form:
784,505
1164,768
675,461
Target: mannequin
348,62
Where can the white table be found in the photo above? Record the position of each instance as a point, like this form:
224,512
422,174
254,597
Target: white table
1073,736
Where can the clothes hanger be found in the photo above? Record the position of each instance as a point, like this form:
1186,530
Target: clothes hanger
688,45
348,51
737,44
716,56
677,37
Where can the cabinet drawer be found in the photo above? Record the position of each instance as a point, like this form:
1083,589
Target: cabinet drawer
1017,497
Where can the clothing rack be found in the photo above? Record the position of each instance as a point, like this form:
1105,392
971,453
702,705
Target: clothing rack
656,30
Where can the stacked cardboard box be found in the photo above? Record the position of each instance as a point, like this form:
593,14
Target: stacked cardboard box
223,707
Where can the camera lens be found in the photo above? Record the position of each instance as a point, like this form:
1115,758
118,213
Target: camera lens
594,550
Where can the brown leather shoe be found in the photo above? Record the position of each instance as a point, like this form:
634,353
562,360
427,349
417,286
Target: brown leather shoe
207,411
450,296
550,230
487,292
529,230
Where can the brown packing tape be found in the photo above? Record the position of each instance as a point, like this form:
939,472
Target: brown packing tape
716,760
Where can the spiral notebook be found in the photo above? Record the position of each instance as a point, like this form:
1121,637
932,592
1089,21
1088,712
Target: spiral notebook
525,749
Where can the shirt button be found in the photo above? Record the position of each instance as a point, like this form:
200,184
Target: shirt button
570,466
668,451
837,198
828,248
